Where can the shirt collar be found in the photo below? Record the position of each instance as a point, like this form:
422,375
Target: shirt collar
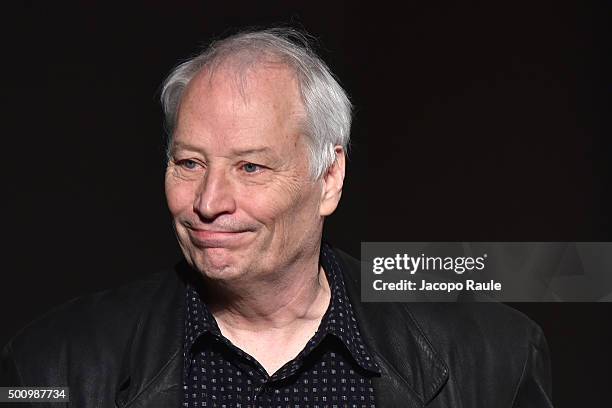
198,321
339,320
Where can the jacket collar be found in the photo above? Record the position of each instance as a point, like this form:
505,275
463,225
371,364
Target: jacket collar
412,371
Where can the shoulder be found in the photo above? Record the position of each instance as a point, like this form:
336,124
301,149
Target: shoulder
90,314
466,319
81,332
486,326
456,328
495,351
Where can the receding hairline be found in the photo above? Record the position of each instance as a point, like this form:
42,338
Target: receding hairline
242,78
240,69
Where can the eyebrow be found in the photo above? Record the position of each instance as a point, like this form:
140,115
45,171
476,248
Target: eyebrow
254,150
234,152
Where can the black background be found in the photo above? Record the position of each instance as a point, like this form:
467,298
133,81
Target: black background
474,121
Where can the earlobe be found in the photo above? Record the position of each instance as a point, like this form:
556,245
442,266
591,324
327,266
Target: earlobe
332,184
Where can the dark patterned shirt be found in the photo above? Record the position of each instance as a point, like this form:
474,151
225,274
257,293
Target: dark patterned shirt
333,370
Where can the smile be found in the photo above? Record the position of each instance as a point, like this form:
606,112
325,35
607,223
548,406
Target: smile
215,239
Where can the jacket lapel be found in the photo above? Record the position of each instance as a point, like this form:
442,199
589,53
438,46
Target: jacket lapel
152,372
412,371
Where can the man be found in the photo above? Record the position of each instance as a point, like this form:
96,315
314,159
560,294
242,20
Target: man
262,313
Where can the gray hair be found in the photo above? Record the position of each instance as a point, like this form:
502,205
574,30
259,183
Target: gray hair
328,108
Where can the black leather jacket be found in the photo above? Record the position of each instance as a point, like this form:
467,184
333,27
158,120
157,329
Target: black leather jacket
124,348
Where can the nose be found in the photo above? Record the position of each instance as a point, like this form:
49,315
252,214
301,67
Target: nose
215,195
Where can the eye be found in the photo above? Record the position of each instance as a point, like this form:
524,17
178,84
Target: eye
188,164
251,167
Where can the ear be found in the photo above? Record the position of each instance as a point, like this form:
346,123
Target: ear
332,184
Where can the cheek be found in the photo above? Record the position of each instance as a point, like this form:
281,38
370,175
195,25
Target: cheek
263,206
179,196
283,205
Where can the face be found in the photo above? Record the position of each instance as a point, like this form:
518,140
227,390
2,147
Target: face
238,184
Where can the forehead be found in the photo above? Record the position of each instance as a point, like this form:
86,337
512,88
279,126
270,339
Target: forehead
229,107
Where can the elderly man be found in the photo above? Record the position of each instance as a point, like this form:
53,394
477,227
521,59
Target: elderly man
262,313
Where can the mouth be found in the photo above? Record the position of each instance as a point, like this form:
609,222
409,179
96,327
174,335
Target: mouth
202,238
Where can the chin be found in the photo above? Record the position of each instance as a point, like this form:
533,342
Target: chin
217,263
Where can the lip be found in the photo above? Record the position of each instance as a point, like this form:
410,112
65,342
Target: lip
215,239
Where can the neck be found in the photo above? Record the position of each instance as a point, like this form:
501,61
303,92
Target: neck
280,301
